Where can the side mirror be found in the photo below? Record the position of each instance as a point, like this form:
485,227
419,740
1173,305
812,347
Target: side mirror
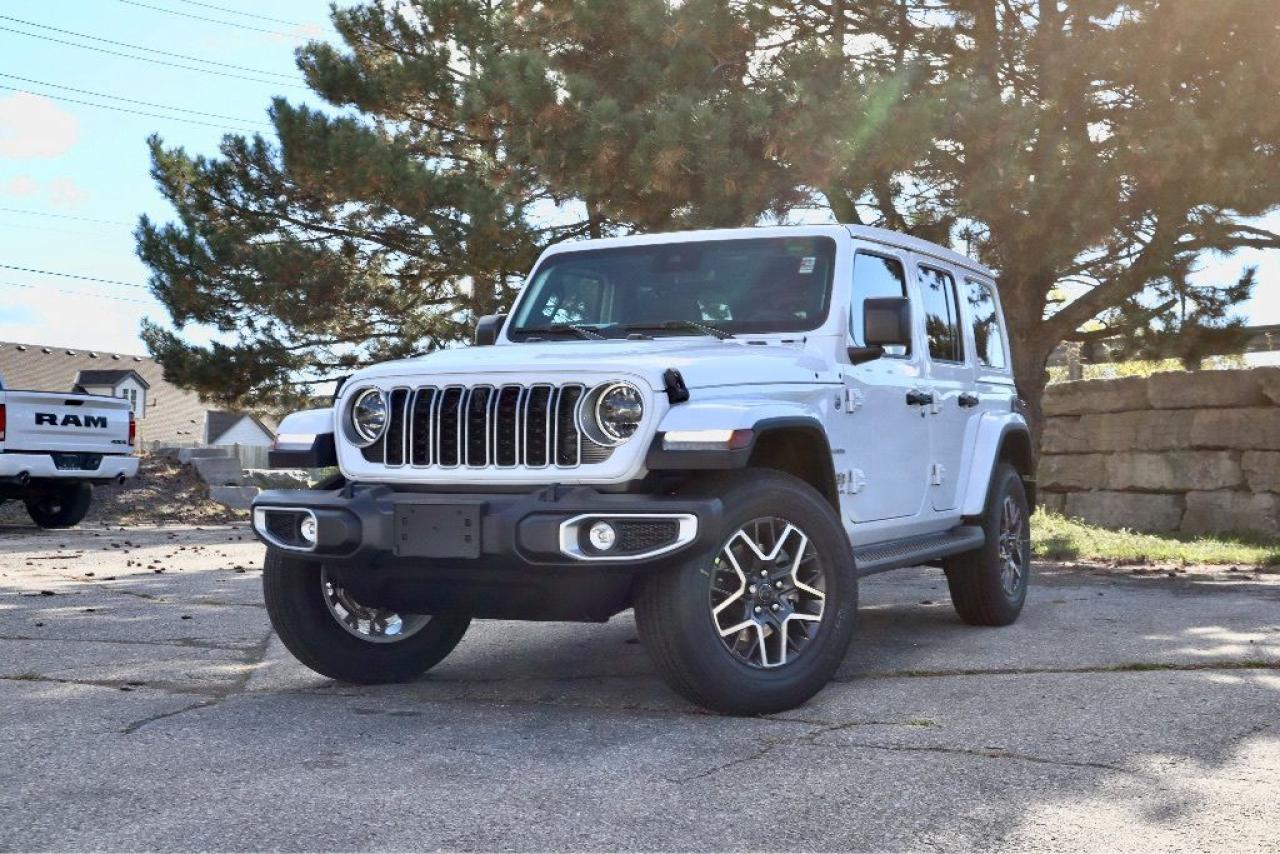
886,322
488,327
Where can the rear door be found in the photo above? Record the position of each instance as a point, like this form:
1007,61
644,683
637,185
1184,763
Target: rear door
950,380
883,454
41,421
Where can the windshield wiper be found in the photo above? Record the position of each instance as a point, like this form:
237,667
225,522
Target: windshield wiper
704,328
558,328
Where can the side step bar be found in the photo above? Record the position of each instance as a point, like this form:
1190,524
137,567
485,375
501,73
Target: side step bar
913,551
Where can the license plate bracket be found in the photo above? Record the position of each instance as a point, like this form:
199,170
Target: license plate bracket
449,530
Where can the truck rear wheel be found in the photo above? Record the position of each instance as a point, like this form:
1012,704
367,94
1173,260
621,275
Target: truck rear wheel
762,623
989,585
60,506
336,636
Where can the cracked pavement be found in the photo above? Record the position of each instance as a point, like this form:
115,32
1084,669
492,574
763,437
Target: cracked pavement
145,704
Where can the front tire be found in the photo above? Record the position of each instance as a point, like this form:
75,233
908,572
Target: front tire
61,506
336,636
989,585
762,623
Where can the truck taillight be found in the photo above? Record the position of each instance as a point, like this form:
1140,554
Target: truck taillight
1,422
133,430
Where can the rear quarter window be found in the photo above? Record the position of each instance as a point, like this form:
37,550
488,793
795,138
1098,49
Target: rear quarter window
988,330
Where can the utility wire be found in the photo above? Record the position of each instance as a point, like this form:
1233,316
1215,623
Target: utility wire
183,56
74,276
168,53
125,110
67,216
238,12
133,101
78,293
209,20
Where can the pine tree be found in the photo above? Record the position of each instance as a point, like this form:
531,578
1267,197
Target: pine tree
1088,150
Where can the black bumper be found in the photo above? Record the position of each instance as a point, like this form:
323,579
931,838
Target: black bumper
485,554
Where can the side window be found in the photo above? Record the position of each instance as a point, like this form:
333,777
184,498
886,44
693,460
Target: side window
875,276
988,338
941,315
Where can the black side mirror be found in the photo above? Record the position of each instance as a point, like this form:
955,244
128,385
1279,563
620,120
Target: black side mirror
488,327
886,322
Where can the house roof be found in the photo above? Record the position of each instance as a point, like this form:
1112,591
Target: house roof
219,421
173,415
111,378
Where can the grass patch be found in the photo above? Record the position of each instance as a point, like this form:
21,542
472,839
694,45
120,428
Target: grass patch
1055,537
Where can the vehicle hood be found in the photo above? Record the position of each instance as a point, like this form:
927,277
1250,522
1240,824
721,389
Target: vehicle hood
702,362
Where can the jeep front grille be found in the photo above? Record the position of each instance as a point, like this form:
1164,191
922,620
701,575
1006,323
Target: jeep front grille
486,426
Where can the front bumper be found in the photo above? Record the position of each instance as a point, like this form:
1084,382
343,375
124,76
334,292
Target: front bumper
35,467
517,556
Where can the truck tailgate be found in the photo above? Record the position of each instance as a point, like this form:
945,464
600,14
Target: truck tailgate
48,421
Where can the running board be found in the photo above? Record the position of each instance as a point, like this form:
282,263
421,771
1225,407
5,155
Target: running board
913,551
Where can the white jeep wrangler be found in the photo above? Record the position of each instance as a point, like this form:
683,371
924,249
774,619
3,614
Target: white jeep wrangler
723,430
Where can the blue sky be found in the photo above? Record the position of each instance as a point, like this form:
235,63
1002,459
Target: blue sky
74,177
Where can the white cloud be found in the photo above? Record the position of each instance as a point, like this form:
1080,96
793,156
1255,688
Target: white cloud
34,127
65,193
21,186
73,317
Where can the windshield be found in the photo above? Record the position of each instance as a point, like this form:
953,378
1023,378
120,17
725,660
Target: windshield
759,285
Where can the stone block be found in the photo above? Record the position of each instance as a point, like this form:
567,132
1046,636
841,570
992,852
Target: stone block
1224,512
186,455
1062,435
1054,502
218,471
1171,471
1139,511
1067,472
1253,428
235,497
1269,382
1082,396
1208,389
1261,470
1143,430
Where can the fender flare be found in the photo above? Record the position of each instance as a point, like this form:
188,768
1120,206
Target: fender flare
993,434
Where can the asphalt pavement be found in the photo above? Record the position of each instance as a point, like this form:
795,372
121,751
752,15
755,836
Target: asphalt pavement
145,704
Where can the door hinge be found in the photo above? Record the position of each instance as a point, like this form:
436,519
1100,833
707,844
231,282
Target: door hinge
937,472
853,400
850,482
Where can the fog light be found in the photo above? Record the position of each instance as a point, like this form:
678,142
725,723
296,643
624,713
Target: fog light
308,529
602,536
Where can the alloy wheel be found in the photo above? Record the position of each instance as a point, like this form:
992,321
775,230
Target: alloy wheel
1012,547
368,623
768,592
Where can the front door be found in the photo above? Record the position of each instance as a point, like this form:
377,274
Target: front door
882,459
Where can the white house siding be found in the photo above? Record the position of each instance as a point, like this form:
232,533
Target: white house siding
244,432
131,389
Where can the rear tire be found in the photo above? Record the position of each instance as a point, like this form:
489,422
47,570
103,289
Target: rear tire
741,643
298,597
989,585
61,506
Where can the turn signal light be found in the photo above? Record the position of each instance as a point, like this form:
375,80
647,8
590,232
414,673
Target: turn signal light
133,430
1,422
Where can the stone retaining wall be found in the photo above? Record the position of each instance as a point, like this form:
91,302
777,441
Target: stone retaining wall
1197,452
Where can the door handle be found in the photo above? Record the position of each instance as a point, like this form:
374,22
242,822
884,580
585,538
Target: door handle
916,397
969,399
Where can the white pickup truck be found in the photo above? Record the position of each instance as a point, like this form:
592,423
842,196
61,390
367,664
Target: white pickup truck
723,430
54,446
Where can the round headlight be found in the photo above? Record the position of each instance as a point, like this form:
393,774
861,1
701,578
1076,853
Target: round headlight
619,408
368,416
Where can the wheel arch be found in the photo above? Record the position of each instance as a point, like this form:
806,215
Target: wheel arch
1006,439
797,446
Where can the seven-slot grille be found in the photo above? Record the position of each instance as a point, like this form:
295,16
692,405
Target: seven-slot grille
483,426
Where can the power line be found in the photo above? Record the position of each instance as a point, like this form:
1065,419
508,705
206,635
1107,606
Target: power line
238,12
67,216
74,276
124,109
145,49
259,71
79,293
208,20
133,101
